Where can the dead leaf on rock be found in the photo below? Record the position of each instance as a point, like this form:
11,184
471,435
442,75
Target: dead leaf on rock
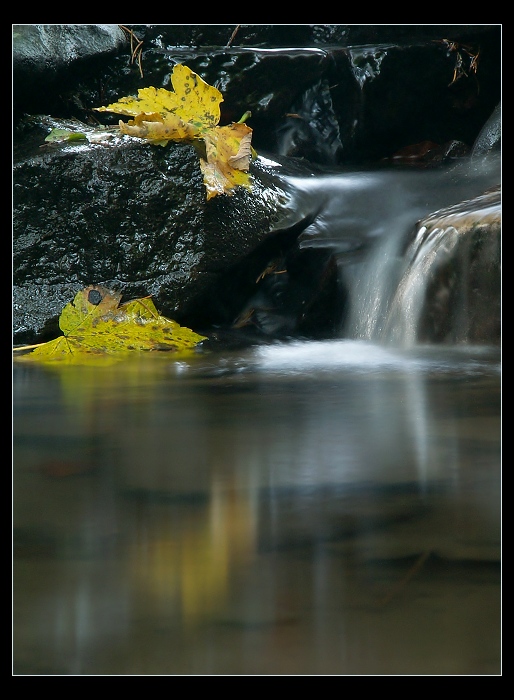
191,112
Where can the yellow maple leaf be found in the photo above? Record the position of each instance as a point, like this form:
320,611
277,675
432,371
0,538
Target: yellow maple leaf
190,113
193,102
94,324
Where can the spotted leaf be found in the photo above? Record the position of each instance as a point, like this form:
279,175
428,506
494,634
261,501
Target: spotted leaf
191,113
94,324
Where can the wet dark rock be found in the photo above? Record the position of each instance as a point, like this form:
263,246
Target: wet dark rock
199,36
295,293
327,93
428,153
344,93
51,60
132,217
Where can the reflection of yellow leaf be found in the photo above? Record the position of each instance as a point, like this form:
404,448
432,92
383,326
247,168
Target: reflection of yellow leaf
190,113
95,325
194,563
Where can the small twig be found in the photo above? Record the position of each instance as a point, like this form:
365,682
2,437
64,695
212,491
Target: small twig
139,46
474,61
233,36
459,69
135,51
244,320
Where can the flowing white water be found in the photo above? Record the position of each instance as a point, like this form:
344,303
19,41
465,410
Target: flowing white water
372,285
423,256
366,218
355,356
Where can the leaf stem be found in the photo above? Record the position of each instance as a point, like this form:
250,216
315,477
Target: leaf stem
27,347
245,116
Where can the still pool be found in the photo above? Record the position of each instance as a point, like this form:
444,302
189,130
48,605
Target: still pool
306,508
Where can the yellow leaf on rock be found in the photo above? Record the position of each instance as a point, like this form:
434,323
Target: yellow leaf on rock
91,303
194,101
241,161
188,114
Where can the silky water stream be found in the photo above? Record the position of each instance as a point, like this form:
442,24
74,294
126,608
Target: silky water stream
306,507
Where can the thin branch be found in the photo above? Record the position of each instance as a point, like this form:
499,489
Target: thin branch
233,36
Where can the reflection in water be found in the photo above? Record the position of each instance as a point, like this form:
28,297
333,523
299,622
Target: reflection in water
302,508
186,564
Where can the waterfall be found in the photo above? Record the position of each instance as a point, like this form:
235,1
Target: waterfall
427,253
389,291
371,286
442,286
418,260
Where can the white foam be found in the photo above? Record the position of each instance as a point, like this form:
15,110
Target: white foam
355,355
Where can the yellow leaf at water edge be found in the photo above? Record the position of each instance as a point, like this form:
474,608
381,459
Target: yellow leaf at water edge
193,107
94,324
228,151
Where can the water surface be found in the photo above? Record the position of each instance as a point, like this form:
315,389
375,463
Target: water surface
325,507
